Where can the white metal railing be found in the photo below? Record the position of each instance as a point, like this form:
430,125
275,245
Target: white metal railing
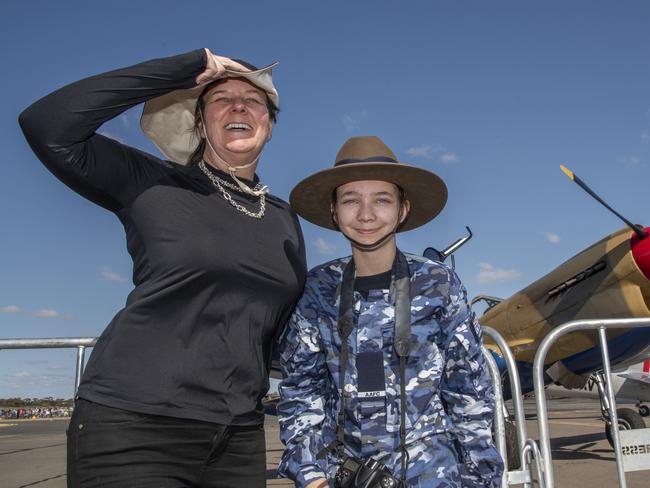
526,455
540,397
499,420
80,343
528,448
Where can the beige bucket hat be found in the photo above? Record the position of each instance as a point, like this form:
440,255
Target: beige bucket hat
368,158
168,120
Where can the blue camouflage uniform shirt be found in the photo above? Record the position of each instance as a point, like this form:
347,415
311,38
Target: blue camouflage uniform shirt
449,392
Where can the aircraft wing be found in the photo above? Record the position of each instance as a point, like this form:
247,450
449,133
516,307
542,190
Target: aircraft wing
642,377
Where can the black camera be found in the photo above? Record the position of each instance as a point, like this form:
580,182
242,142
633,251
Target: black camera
354,473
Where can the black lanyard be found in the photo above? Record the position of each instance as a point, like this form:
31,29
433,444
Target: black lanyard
402,282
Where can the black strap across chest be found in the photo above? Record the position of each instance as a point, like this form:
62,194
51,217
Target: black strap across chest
401,282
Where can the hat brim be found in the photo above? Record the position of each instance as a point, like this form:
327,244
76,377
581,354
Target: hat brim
427,193
168,120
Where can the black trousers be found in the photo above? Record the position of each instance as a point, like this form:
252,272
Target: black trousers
109,447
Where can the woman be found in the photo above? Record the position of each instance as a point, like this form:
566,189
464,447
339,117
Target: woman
172,392
394,331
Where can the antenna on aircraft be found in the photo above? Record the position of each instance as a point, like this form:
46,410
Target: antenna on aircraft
641,234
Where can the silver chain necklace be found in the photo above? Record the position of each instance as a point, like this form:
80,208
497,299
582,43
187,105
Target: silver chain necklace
219,183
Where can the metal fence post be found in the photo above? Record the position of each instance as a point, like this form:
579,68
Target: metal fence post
80,368
613,416
499,424
538,377
515,387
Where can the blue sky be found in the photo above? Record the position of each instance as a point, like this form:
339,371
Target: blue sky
492,96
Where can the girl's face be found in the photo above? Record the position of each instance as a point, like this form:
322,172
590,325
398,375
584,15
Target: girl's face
366,211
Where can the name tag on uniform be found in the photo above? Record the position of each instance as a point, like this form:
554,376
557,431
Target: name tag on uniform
371,383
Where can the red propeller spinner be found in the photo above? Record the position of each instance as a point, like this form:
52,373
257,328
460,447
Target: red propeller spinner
641,252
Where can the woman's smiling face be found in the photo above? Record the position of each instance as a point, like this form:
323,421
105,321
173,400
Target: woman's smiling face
236,119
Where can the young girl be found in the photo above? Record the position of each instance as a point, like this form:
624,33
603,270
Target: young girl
393,332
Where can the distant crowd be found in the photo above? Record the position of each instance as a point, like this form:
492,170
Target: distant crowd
35,412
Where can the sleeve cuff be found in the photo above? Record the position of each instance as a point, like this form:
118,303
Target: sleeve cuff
309,474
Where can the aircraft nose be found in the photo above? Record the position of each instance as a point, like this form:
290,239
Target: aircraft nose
641,253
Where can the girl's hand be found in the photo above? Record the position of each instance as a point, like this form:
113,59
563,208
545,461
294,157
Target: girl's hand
319,483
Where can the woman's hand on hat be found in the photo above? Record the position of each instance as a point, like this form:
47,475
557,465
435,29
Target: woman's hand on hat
216,68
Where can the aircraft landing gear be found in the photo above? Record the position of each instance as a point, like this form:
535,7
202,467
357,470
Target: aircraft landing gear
628,419
644,410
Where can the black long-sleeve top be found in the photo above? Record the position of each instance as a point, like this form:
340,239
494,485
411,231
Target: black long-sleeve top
212,285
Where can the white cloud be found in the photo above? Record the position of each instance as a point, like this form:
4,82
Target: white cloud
448,157
424,151
11,309
552,238
44,383
50,314
43,313
351,121
431,151
36,361
489,274
58,367
324,247
631,161
109,275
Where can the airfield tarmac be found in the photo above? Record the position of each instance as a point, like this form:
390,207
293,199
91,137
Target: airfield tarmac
32,452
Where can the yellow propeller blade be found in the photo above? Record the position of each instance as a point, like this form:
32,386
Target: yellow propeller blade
567,171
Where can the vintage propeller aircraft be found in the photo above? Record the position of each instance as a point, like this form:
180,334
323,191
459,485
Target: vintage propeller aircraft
610,279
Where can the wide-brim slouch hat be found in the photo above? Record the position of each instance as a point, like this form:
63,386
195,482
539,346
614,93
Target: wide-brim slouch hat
369,158
169,120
